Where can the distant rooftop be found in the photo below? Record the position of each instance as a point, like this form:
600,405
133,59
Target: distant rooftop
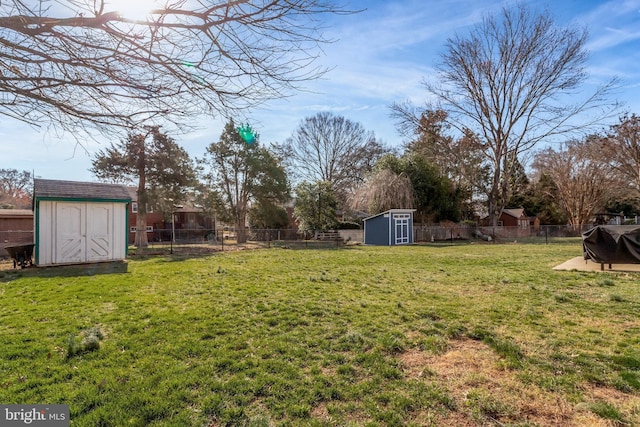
13,213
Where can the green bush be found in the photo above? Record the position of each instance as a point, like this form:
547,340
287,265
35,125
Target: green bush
89,341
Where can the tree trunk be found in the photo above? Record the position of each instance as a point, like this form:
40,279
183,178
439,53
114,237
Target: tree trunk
141,219
141,240
495,210
241,232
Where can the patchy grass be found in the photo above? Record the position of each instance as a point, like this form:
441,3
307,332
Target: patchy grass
420,335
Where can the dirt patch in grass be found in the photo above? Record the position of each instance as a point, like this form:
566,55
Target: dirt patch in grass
485,392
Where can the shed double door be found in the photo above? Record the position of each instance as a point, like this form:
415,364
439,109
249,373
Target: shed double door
83,231
402,228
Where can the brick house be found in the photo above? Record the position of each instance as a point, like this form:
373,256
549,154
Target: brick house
189,222
515,218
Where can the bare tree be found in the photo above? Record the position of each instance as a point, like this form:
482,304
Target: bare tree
513,81
16,188
332,149
383,190
621,147
584,182
80,65
459,159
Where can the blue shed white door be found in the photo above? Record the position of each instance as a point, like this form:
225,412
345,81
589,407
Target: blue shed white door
401,222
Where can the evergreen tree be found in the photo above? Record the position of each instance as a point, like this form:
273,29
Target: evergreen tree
243,172
156,163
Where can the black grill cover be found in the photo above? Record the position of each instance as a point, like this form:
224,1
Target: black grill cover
612,244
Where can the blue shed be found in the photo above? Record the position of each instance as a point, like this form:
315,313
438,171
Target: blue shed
392,227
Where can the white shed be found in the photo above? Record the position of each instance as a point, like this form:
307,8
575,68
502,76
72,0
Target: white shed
79,222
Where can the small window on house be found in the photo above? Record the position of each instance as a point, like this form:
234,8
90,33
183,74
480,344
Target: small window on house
132,229
134,208
149,229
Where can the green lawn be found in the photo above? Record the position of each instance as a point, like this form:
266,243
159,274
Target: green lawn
474,334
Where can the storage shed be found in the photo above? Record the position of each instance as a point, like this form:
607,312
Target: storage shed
79,222
392,227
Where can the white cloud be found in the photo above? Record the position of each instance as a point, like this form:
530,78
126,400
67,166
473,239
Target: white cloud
381,55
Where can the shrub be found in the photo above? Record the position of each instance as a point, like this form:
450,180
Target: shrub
90,341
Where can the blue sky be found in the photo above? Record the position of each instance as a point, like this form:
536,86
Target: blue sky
381,56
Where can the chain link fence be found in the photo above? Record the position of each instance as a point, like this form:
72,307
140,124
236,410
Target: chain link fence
201,241
226,240
542,234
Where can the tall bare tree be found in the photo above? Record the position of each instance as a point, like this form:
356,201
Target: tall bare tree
460,159
80,64
16,188
584,182
514,81
332,149
621,147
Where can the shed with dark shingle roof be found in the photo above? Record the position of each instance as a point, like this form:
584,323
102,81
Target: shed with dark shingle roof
73,190
79,222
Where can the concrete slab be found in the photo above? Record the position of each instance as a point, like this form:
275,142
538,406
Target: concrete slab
580,264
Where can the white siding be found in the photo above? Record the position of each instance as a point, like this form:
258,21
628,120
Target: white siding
70,233
45,233
78,232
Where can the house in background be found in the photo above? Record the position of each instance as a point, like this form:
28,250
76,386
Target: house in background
515,218
155,221
389,228
190,221
79,222
16,227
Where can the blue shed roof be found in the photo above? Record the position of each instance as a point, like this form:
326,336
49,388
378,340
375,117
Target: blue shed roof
390,211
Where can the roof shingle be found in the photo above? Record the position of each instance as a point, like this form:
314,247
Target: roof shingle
49,188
